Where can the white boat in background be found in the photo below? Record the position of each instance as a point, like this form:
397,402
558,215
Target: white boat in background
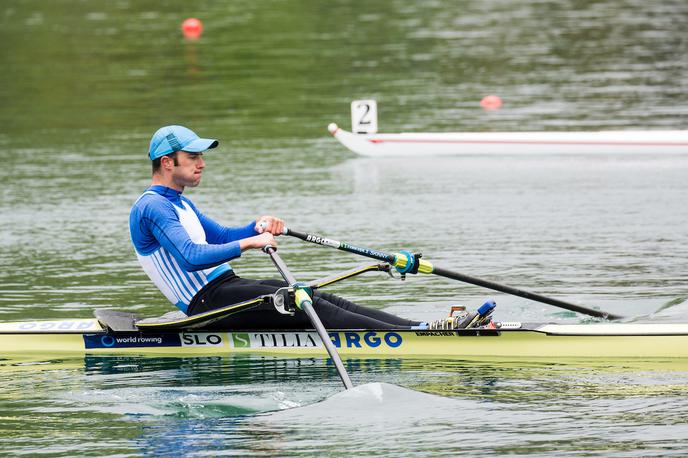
365,140
498,143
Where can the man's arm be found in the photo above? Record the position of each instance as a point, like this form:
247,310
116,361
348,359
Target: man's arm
191,256
164,223
219,234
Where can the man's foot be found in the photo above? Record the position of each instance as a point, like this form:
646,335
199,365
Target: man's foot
459,318
459,321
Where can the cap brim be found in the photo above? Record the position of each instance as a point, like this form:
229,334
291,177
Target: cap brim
200,144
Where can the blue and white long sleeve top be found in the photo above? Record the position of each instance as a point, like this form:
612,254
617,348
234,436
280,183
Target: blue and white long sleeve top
180,248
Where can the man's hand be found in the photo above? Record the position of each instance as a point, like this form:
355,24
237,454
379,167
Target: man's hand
270,224
258,241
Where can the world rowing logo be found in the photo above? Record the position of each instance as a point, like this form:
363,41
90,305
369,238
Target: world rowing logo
107,341
131,340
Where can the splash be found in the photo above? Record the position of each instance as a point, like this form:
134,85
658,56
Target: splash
374,406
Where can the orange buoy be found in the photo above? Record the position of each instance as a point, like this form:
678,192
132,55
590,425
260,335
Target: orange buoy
491,102
192,28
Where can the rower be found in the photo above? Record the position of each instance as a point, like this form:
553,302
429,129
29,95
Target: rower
284,301
185,252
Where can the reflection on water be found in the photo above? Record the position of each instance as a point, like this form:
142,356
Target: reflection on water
267,405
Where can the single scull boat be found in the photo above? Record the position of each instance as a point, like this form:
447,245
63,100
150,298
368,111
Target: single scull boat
113,332
505,340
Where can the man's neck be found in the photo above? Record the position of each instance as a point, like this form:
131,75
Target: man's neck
159,180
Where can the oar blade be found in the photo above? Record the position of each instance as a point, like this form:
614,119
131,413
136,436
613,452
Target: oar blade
306,304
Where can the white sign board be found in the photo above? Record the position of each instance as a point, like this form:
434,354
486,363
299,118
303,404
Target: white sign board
364,116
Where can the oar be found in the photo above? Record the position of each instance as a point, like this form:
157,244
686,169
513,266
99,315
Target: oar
405,262
305,303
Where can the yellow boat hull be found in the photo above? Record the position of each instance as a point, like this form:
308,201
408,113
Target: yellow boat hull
542,341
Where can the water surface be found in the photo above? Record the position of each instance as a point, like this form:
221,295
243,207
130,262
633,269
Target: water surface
84,85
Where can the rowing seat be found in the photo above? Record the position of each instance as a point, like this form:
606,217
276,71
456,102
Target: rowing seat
179,321
175,315
117,321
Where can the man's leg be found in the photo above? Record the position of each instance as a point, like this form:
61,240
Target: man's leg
340,315
378,315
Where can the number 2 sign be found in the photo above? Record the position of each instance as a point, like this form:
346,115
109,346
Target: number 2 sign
364,116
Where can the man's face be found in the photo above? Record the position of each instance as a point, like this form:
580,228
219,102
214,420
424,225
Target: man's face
187,171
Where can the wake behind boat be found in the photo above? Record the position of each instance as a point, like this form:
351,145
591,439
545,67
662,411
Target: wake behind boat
367,142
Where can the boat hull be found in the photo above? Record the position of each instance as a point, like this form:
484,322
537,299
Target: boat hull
628,341
514,143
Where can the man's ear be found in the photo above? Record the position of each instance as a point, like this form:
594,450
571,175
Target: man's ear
166,162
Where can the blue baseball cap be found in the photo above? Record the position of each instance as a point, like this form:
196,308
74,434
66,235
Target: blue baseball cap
169,139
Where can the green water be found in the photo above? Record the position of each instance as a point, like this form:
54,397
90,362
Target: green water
85,84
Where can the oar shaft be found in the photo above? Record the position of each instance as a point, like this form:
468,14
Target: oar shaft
522,293
307,306
427,267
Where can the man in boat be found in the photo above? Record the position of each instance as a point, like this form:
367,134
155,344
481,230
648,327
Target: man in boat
186,253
